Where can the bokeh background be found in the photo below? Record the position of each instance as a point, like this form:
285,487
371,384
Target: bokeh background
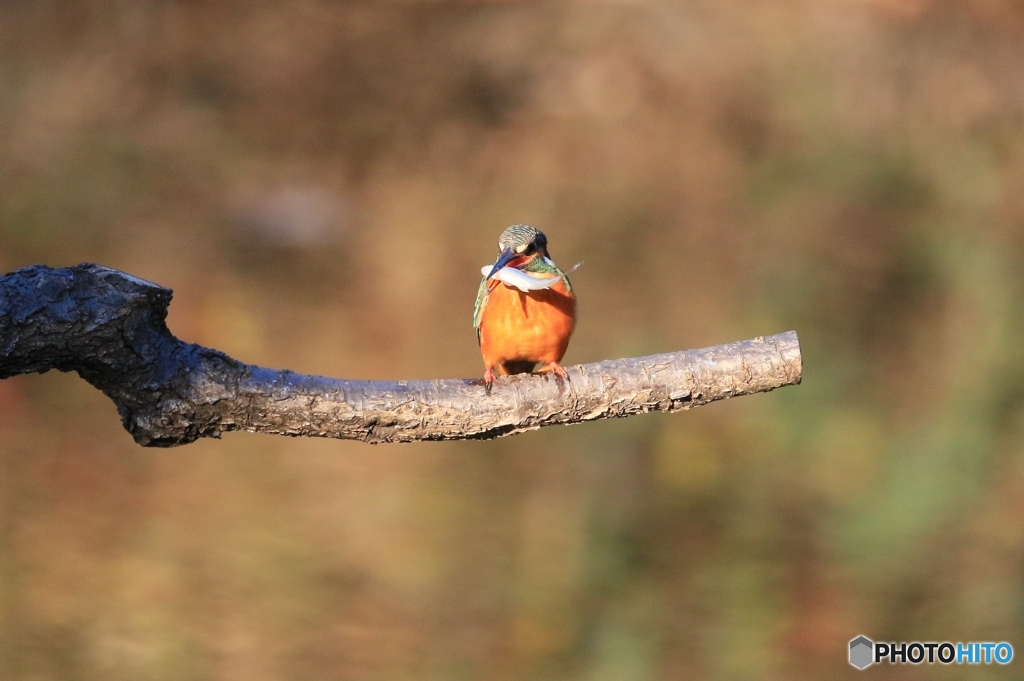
320,182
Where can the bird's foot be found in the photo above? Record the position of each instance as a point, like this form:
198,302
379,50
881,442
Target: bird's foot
554,368
488,379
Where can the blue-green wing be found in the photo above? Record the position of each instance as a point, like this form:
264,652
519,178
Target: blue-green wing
565,278
481,300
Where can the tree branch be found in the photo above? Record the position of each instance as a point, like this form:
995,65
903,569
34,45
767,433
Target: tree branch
111,328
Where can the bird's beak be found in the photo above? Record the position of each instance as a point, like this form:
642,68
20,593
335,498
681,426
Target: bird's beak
505,258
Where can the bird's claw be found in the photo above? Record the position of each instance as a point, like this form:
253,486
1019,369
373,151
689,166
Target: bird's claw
554,368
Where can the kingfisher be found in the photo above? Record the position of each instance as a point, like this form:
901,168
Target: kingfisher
525,308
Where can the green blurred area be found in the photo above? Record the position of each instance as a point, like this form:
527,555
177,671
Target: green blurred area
320,182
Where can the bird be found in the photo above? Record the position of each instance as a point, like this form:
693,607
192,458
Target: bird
525,308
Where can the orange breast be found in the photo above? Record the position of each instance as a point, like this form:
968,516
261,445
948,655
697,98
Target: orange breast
526,327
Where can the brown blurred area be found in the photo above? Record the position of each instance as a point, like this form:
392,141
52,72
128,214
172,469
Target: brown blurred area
320,182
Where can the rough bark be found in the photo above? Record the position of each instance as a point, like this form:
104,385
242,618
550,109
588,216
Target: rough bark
110,328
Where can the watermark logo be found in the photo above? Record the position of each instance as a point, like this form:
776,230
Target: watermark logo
861,652
864,652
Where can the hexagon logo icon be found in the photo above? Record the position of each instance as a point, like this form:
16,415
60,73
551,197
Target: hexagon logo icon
861,652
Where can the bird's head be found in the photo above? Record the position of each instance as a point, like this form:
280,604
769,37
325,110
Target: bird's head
520,245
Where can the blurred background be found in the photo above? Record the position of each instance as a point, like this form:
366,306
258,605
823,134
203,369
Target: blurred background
320,182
